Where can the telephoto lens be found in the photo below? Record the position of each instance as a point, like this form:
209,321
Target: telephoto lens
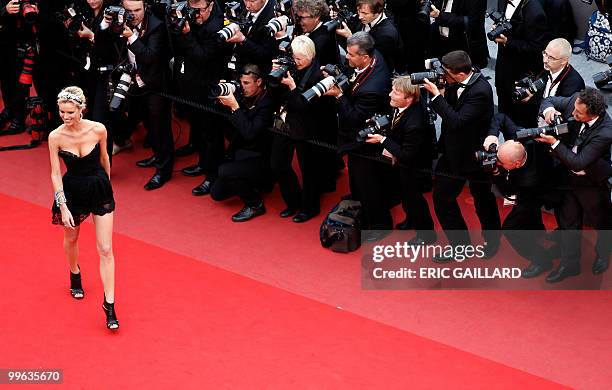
228,32
224,89
121,91
319,88
277,24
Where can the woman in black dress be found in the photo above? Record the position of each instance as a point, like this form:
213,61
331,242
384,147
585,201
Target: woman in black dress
84,189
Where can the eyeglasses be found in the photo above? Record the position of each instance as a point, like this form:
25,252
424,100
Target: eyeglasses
298,17
546,55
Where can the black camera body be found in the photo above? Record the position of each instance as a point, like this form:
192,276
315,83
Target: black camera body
423,11
488,158
556,129
29,10
526,86
434,73
601,79
378,124
72,19
336,77
286,64
501,25
344,14
235,20
225,88
120,17
178,14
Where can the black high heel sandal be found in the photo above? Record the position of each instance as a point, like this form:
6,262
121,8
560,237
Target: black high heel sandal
111,316
76,288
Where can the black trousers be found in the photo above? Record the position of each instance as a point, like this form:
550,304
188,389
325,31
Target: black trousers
524,228
281,163
8,75
243,177
414,203
370,183
206,135
594,202
154,111
445,193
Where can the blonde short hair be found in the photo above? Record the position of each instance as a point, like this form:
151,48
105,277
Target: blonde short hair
563,45
403,84
304,46
74,95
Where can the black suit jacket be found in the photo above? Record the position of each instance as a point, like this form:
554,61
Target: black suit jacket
249,126
412,32
466,23
570,83
360,103
595,142
522,54
387,41
326,46
260,47
465,122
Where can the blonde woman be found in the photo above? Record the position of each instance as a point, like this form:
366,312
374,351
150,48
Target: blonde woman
84,189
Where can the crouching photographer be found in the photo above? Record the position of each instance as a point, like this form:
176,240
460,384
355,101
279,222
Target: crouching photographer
591,137
247,172
409,142
524,169
306,120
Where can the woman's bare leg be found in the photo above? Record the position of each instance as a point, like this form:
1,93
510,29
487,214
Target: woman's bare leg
104,244
71,248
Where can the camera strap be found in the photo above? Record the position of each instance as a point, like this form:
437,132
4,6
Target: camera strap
363,76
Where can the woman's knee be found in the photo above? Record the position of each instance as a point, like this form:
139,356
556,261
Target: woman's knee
105,250
71,236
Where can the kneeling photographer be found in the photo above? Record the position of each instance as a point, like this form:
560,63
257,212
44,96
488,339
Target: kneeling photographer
409,142
591,133
247,172
306,120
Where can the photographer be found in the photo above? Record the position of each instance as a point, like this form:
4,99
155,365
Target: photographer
519,53
199,62
525,170
144,44
305,121
256,45
9,64
309,16
590,196
459,25
248,172
409,142
466,109
387,41
367,93
413,31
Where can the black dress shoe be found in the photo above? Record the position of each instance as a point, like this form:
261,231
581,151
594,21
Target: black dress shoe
534,270
5,117
561,273
156,182
193,170
203,189
16,127
490,248
288,212
303,217
185,150
404,225
600,265
249,212
147,162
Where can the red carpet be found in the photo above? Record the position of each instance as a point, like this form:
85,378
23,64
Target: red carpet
186,324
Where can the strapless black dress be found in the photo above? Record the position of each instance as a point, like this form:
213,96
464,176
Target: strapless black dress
86,186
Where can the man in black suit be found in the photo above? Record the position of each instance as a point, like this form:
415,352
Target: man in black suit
9,64
367,94
373,20
519,53
309,16
466,110
460,26
146,41
247,173
199,63
414,33
256,45
590,196
409,143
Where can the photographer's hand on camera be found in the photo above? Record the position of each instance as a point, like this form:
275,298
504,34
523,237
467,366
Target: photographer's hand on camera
127,32
434,13
85,32
433,88
490,140
239,37
229,101
186,28
502,39
547,139
550,114
345,31
13,7
375,139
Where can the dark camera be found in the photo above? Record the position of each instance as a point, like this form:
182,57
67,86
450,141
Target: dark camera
72,19
527,85
434,73
424,10
277,24
343,15
556,129
378,124
120,91
336,77
286,64
29,10
283,7
225,88
179,14
120,17
233,10
601,79
501,25
488,158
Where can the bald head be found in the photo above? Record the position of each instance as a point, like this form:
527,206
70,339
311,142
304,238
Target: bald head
511,155
557,54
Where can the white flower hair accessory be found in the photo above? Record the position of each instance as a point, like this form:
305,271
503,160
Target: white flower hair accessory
69,96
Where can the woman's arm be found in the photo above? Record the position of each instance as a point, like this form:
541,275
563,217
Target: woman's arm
56,180
104,159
